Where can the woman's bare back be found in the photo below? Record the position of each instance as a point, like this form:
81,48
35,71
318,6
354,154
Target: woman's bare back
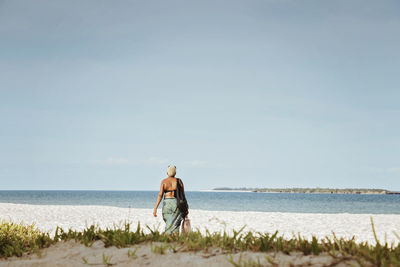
169,185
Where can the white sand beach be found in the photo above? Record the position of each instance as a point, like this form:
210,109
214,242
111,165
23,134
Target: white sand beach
47,217
71,253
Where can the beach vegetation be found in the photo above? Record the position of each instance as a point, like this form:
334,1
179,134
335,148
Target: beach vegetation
107,259
132,253
85,261
159,249
270,261
16,239
244,263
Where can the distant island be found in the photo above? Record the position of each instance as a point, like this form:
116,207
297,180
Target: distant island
312,190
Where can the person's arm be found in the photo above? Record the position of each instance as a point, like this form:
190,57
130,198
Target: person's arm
159,197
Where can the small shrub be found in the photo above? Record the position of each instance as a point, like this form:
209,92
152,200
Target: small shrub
16,239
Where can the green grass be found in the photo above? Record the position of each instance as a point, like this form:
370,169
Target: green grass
132,253
159,249
16,239
107,260
245,263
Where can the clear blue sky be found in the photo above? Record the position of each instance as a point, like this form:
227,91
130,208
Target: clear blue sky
273,93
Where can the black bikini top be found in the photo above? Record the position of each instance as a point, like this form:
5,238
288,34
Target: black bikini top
165,191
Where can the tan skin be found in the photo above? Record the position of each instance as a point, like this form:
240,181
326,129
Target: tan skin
168,183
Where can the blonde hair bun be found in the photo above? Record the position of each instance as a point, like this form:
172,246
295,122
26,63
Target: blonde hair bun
171,171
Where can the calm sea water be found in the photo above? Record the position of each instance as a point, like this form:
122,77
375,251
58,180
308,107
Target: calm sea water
231,201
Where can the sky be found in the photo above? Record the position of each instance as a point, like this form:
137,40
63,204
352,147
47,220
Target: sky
104,95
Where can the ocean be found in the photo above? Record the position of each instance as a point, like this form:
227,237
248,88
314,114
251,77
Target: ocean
228,201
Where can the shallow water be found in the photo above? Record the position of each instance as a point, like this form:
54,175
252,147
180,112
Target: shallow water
229,201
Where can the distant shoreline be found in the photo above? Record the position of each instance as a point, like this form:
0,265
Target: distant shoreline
358,191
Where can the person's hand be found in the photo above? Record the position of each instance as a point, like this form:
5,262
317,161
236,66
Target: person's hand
155,212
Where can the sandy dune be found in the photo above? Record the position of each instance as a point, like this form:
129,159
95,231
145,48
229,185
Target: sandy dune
75,254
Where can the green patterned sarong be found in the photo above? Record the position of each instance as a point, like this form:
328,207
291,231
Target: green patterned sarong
171,215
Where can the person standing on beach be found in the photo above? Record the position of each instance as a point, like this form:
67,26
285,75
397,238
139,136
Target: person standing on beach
172,215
